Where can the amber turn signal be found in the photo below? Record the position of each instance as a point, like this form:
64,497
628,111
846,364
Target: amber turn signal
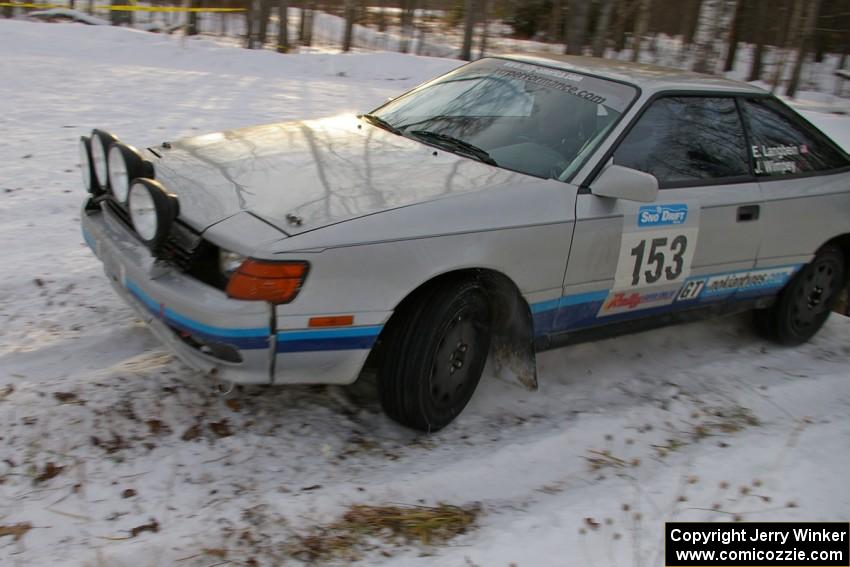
260,280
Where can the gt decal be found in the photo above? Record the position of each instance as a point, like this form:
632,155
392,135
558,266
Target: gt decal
658,247
691,290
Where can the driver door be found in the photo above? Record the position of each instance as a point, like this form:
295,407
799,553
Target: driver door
695,245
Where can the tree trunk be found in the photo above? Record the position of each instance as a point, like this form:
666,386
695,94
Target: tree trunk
554,33
641,25
577,26
349,25
382,16
690,21
263,27
761,38
283,26
788,37
307,13
600,34
468,27
710,32
734,34
192,28
249,24
408,11
485,13
90,7
620,24
803,41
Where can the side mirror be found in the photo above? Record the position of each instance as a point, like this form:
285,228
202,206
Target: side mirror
625,183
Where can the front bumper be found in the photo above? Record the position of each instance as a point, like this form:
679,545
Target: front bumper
190,317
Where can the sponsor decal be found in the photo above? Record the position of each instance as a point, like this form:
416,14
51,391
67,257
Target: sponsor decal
621,301
727,284
753,280
662,215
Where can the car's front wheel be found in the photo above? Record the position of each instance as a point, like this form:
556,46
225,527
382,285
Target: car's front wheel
804,305
434,355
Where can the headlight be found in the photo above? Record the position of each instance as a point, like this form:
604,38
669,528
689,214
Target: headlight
100,142
152,211
126,164
86,164
229,262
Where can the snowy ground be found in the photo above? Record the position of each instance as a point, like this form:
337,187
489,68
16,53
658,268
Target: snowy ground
701,422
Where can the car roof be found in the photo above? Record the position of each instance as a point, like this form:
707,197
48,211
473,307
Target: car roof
650,78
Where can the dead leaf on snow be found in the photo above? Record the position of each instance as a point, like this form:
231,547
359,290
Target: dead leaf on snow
221,428
192,433
233,404
16,530
67,397
50,470
152,526
6,392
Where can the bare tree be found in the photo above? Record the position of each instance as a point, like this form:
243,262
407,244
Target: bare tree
408,13
192,28
577,26
382,16
787,38
263,27
734,35
349,25
283,26
485,29
600,34
710,32
250,10
761,39
690,20
468,27
554,33
803,42
641,25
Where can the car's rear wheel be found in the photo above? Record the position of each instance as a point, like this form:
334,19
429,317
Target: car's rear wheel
434,355
804,305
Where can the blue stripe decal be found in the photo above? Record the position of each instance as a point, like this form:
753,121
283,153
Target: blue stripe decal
580,311
256,338
351,338
90,241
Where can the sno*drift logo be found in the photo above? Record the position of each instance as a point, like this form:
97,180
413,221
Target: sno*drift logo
662,215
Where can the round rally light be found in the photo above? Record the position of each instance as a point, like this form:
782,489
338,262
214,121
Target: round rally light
86,164
125,164
100,142
152,211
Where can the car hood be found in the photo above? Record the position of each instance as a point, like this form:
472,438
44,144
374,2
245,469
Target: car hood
300,176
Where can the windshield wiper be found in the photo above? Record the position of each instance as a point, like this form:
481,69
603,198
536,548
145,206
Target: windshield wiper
380,123
451,143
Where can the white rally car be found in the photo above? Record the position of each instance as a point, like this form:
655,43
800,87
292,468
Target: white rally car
511,205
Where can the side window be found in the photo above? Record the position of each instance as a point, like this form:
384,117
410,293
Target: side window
782,144
682,139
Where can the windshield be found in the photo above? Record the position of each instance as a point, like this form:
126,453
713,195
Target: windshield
529,118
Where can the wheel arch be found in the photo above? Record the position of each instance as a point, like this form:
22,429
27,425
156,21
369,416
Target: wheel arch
512,348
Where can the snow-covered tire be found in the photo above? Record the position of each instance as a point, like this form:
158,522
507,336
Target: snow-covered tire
434,355
805,303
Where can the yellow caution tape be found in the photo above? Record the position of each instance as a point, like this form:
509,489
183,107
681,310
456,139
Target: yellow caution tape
125,7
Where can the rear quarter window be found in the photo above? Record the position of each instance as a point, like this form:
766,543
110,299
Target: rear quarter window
783,144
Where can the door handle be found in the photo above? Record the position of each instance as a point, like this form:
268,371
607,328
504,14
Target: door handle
748,213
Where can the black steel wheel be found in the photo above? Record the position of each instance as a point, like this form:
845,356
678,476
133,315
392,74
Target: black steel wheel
435,354
806,302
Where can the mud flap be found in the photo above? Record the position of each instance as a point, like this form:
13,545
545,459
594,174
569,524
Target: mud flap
513,354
